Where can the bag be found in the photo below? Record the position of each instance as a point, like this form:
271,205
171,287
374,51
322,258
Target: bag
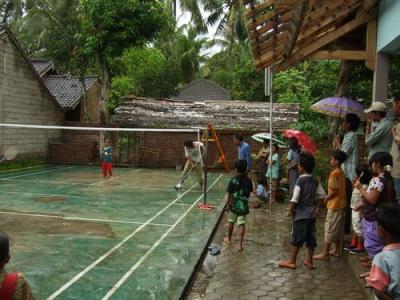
240,205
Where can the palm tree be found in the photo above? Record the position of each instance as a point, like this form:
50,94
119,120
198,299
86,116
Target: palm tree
13,10
189,48
226,15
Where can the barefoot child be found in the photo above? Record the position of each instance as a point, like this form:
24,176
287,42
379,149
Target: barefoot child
384,277
239,190
336,204
303,208
357,241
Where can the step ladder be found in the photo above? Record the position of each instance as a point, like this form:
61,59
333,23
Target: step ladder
213,138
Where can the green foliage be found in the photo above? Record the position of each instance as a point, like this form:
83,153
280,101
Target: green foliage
20,164
321,76
143,72
110,27
361,83
247,84
121,86
291,87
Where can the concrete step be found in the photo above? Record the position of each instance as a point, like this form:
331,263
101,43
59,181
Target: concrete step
357,268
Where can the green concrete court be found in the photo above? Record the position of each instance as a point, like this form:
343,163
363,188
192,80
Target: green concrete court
76,235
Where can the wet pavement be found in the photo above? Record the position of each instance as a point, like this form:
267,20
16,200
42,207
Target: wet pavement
254,274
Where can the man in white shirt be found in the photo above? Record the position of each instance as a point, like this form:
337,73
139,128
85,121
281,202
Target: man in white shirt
194,152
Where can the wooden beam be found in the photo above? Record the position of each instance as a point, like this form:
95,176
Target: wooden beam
287,4
369,4
252,24
271,25
329,8
294,26
269,44
269,35
251,13
371,44
339,54
270,56
326,24
361,19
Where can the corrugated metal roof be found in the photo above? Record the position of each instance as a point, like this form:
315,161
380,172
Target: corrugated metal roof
203,89
67,89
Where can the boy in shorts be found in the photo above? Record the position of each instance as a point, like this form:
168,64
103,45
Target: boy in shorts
239,190
303,209
336,205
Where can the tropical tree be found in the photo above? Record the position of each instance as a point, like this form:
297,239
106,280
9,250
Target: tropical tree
110,27
226,15
13,10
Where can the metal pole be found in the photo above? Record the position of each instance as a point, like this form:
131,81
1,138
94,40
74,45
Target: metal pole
271,97
205,169
269,92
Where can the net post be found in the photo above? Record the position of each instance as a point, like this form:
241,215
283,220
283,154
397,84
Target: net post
204,205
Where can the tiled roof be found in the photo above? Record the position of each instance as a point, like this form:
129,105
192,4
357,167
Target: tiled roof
203,89
67,89
42,65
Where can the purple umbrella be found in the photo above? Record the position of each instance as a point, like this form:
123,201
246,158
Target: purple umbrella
338,107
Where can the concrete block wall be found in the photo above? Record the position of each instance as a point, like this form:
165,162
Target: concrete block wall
24,100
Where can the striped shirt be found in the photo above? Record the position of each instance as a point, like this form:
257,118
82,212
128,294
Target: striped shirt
350,147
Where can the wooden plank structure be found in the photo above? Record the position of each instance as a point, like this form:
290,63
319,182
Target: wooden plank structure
285,32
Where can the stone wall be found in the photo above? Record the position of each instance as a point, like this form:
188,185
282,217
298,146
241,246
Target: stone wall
24,100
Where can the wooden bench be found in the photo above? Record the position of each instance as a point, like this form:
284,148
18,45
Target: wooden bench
148,157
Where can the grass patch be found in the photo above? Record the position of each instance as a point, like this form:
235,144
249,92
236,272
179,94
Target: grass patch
20,164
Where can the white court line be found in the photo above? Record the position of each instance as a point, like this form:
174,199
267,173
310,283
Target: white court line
161,202
80,219
143,258
91,184
108,253
29,172
79,196
26,168
35,173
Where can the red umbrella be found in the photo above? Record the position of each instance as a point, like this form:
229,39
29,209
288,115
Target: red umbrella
304,140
